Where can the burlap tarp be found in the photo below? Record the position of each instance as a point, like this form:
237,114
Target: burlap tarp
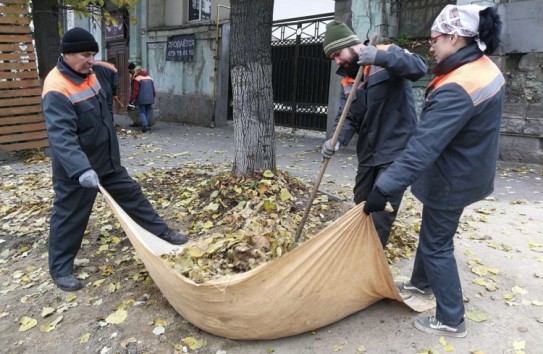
338,272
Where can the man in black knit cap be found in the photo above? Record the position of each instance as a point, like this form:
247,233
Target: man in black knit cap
85,153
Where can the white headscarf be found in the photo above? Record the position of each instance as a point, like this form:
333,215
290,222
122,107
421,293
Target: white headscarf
462,20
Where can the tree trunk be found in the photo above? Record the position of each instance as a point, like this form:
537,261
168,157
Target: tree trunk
46,36
251,71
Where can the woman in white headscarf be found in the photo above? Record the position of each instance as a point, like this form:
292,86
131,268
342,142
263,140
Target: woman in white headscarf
450,161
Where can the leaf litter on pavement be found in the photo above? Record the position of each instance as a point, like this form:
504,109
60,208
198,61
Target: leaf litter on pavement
200,199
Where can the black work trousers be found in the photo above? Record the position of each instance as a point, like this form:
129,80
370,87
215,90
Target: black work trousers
72,208
366,176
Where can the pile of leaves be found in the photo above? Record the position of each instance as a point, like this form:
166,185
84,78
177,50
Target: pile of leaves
238,222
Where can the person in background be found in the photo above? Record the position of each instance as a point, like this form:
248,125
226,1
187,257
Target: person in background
85,154
382,112
108,76
143,95
450,162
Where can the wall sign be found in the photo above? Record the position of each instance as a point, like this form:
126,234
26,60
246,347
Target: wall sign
115,31
180,48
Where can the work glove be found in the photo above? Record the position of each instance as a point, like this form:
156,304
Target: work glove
376,201
89,179
328,150
367,55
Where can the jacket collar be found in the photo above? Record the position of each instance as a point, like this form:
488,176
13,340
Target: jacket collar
463,56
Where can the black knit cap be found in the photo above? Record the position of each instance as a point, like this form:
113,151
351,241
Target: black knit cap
78,40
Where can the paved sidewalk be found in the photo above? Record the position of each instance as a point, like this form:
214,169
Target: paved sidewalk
503,233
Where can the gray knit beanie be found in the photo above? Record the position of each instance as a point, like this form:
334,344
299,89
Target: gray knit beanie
337,37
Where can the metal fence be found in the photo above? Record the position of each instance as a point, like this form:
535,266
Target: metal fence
301,72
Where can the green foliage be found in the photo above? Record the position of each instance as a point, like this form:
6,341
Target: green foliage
403,40
100,8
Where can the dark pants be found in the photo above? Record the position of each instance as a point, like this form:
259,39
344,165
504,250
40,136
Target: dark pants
435,265
364,182
71,210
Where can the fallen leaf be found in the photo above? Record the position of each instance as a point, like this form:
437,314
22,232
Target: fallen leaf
194,343
48,327
26,323
84,338
518,290
46,311
477,314
117,317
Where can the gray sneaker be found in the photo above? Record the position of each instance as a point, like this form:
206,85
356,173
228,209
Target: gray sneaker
432,326
407,290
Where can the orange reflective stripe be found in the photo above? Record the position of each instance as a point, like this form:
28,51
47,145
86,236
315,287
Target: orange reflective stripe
383,46
346,81
481,79
140,78
75,93
106,64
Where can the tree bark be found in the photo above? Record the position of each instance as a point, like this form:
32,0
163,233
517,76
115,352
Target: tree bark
46,35
251,72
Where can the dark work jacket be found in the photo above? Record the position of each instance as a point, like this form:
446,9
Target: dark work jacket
143,89
108,76
451,159
382,112
79,124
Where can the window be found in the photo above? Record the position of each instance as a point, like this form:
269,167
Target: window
199,10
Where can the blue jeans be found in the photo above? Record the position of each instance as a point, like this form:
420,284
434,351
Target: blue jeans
144,110
435,265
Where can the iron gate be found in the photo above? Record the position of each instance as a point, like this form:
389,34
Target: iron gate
300,72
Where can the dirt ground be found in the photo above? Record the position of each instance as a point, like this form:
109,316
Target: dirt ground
499,250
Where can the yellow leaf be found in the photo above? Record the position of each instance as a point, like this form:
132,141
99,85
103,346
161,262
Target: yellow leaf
481,281
194,343
518,290
98,283
71,298
477,352
360,349
442,341
519,345
26,323
480,270
161,323
338,347
285,194
46,311
208,224
48,327
117,317
537,303
477,315
268,174
84,338
111,288
449,348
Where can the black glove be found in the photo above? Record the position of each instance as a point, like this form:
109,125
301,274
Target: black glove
376,201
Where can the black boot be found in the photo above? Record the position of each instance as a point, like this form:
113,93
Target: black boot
68,283
173,237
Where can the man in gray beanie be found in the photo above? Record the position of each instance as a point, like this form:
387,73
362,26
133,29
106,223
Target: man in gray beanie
85,153
382,112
